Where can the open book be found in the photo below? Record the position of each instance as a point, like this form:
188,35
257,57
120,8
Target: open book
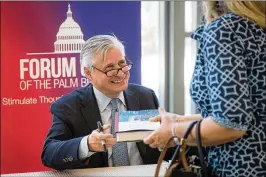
135,125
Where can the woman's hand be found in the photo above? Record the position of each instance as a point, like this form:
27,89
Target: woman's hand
177,118
159,137
171,116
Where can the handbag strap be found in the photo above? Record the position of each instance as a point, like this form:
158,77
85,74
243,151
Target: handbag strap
200,149
162,155
188,130
177,150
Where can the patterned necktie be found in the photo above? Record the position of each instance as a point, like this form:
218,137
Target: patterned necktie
119,150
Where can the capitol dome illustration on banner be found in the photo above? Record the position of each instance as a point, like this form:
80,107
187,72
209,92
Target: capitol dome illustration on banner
69,37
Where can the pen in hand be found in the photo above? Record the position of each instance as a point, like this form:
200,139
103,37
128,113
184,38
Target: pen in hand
100,128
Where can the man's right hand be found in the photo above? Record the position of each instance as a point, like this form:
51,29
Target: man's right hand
94,140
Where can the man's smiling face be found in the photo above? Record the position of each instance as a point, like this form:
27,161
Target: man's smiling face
114,85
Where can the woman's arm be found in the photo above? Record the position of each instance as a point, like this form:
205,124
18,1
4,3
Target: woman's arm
211,133
185,118
177,118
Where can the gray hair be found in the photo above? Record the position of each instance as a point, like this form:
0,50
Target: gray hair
99,44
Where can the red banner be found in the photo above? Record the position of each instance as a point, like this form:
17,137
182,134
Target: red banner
40,46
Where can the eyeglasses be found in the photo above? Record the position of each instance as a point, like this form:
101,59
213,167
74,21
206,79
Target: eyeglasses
114,72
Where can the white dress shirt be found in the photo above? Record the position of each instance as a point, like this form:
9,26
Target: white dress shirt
105,111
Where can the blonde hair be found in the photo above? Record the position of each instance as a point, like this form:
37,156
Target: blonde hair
252,10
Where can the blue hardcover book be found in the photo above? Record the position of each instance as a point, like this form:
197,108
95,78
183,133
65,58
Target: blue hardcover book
135,125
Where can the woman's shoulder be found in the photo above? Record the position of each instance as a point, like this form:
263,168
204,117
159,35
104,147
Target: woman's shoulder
234,24
228,23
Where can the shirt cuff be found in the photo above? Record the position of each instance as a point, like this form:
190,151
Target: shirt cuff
228,124
83,149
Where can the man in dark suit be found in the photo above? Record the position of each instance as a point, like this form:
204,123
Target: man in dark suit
73,140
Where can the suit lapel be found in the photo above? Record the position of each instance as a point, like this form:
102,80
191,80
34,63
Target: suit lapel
91,113
90,109
131,100
133,104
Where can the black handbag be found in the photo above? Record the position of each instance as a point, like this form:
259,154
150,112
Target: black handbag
180,166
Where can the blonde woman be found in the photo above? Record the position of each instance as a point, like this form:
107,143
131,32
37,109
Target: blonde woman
229,87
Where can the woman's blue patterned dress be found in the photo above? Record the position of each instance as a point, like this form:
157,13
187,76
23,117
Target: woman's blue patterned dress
229,84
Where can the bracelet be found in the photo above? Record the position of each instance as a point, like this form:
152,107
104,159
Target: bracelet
173,130
173,134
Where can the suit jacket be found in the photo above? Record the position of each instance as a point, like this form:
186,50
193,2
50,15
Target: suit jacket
75,115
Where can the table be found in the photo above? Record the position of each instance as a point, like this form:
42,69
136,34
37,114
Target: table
132,171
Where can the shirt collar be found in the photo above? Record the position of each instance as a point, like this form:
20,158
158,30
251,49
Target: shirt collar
103,100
